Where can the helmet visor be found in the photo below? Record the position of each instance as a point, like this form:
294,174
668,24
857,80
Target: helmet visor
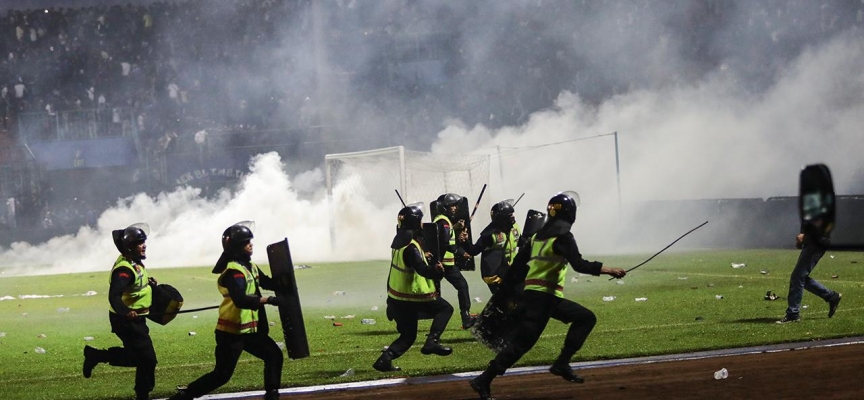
142,226
248,224
418,205
573,195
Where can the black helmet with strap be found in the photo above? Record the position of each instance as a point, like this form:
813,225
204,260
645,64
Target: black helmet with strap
502,213
447,200
236,236
126,239
410,217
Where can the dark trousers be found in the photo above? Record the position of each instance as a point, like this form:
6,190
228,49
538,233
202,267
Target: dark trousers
137,350
537,308
454,276
228,349
407,313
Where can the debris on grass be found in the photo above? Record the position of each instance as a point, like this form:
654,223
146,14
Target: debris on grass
736,266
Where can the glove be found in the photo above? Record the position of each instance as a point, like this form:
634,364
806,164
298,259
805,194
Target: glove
276,301
492,280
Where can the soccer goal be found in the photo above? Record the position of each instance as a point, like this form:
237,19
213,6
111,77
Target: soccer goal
366,180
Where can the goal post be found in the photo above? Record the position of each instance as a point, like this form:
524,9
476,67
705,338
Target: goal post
370,177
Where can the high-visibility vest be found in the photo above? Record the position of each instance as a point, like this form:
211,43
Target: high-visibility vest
233,319
546,270
405,283
507,242
137,297
447,259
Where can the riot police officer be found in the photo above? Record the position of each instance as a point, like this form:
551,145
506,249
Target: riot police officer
497,243
542,266
242,324
447,210
411,291
129,299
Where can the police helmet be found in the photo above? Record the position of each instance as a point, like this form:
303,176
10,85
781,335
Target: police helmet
563,206
237,235
410,217
126,239
447,200
135,233
502,212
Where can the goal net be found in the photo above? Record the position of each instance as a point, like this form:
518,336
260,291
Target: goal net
363,181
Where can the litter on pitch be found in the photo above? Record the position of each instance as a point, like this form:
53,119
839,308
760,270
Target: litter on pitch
349,372
721,374
719,297
736,266
641,299
608,298
88,338
478,299
374,308
39,350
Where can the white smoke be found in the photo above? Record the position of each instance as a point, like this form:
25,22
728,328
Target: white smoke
186,229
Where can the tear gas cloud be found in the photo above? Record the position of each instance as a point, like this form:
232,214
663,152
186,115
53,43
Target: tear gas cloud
710,100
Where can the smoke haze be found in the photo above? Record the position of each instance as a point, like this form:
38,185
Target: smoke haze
709,99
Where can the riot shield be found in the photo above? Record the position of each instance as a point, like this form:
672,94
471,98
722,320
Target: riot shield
291,314
816,197
463,214
430,240
497,320
534,220
167,302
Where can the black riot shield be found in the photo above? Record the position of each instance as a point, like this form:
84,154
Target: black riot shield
497,320
464,215
291,315
430,241
534,220
167,302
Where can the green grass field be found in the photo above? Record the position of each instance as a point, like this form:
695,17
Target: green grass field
681,314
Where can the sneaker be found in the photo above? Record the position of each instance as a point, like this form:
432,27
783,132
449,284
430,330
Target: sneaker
566,372
89,361
832,304
787,319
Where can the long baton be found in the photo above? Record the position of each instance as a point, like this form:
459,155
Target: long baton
400,197
186,311
664,249
517,200
477,204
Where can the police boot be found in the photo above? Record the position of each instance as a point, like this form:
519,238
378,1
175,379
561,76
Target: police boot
433,347
92,357
272,394
142,395
563,370
483,383
467,320
384,363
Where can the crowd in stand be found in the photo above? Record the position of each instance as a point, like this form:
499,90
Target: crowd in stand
184,71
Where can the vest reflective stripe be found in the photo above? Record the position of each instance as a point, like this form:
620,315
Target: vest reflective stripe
507,242
546,270
233,319
404,283
448,258
139,296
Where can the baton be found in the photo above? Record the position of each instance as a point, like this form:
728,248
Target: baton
185,311
664,249
478,202
517,200
400,197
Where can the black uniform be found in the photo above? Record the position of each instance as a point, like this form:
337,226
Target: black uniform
137,350
452,273
406,314
229,346
493,263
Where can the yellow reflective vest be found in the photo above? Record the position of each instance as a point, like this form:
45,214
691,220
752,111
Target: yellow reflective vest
507,242
233,319
448,258
546,270
406,284
137,297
